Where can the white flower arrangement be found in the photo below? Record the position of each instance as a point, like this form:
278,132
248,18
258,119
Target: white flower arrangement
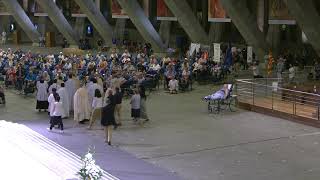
89,169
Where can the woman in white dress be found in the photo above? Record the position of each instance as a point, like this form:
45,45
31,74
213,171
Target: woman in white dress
42,95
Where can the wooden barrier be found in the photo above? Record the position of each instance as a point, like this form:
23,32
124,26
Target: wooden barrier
73,51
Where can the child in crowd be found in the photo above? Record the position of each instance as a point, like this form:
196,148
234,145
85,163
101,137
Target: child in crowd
135,106
57,111
173,86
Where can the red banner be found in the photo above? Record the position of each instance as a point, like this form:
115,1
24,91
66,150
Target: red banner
279,13
38,11
163,12
117,11
216,13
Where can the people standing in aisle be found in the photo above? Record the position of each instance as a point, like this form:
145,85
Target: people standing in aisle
81,105
107,118
57,112
71,87
118,100
42,95
97,104
64,98
135,106
143,108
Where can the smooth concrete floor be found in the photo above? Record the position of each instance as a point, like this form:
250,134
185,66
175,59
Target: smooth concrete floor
182,137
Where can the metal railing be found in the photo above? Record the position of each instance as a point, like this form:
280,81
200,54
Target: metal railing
268,93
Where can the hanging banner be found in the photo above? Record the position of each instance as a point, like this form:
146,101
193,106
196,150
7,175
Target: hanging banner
304,37
3,9
194,48
279,13
38,11
76,12
117,11
216,52
249,54
163,12
216,13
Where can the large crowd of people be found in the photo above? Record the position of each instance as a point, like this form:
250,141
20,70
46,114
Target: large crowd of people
91,87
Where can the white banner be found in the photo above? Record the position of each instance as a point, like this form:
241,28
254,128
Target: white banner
194,47
216,56
249,54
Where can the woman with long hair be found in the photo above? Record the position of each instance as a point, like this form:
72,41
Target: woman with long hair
143,108
107,117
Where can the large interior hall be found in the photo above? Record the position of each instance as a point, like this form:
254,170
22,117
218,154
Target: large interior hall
159,89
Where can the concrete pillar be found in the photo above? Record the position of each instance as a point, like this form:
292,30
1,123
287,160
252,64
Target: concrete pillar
4,23
97,19
205,23
263,15
79,26
119,29
59,21
308,18
42,23
187,20
246,23
273,38
142,23
22,19
216,32
164,31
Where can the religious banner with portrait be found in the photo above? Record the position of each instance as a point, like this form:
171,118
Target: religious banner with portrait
76,11
279,13
216,52
3,9
117,11
216,13
38,11
163,12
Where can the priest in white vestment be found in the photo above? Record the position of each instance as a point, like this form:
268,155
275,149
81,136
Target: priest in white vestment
71,87
51,100
81,105
42,95
64,98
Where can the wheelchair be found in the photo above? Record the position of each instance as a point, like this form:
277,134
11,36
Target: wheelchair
229,102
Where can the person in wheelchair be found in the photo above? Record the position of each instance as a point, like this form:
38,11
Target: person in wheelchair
185,79
2,96
220,94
